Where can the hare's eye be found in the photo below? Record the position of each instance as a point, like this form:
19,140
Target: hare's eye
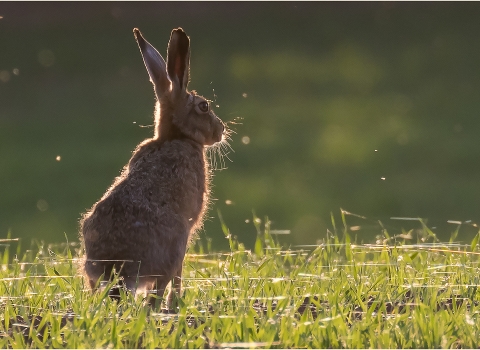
203,106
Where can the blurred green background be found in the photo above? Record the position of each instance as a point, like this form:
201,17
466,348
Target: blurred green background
369,107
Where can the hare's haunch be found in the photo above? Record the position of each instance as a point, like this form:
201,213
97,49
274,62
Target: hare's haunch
141,226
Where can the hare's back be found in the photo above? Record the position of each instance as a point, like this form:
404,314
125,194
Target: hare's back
172,175
120,229
155,203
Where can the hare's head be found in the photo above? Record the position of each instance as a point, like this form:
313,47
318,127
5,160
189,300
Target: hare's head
183,114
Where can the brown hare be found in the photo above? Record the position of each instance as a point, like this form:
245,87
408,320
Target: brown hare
141,226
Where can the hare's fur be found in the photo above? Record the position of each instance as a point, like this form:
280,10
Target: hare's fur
141,226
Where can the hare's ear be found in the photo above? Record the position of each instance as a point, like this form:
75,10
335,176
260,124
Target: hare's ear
154,63
178,60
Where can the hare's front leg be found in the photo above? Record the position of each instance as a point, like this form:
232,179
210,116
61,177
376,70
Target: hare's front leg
175,289
159,285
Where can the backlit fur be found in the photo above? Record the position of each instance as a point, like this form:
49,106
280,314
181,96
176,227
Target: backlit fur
142,225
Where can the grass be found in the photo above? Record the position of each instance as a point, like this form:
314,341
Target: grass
406,291
332,97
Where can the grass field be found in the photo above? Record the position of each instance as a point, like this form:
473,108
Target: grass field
406,291
369,106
